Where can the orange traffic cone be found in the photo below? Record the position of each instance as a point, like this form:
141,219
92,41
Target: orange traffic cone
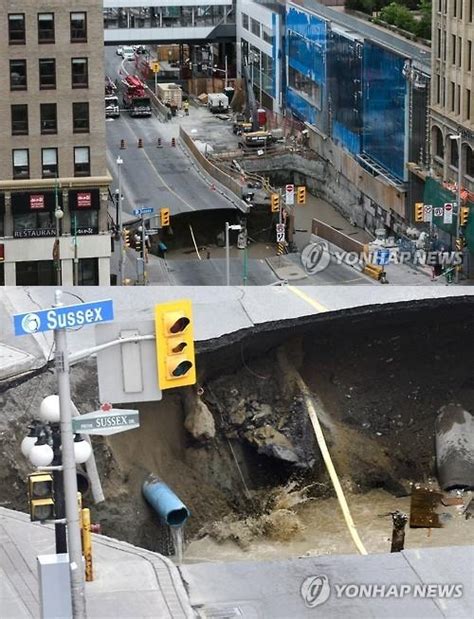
122,144
140,143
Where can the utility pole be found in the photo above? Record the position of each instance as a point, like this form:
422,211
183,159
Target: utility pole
120,222
76,259
458,199
69,470
144,251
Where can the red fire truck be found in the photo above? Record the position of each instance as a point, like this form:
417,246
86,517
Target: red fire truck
135,99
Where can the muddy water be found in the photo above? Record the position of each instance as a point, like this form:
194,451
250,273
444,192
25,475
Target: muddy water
326,533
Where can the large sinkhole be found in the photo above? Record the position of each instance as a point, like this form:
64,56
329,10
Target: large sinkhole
378,376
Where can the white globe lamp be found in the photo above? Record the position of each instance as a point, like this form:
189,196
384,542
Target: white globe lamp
49,409
27,445
41,455
82,450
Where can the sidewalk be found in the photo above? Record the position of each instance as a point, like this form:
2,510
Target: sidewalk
129,582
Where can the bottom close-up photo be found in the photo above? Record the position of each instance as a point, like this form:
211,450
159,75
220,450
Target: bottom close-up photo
224,452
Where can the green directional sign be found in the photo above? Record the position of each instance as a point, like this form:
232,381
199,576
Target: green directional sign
106,423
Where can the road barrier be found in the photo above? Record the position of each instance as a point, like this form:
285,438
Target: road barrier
218,175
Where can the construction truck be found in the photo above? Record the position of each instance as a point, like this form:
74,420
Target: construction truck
135,99
251,126
112,109
170,95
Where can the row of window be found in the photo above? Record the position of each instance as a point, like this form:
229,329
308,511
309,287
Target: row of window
256,28
458,59
46,28
49,162
452,99
439,152
456,7
47,74
49,118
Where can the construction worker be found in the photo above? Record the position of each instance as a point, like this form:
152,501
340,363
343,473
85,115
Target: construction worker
186,108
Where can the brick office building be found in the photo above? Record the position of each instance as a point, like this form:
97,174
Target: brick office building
52,151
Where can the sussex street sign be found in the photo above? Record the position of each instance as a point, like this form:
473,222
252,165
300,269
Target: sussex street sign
105,423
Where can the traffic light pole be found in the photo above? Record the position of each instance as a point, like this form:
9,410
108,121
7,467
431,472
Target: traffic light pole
458,198
69,471
120,223
59,527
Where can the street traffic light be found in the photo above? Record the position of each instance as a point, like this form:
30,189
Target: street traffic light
138,243
464,215
175,344
275,202
126,237
41,496
164,217
419,208
301,195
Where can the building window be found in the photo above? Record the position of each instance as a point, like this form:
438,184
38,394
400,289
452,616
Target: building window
80,117
49,118
47,74
16,29
468,104
79,73
453,48
18,75
36,273
82,166
458,100
245,21
453,96
469,55
88,272
19,119
438,142
49,162
45,27
78,27
306,87
454,153
469,159
255,27
21,163
267,35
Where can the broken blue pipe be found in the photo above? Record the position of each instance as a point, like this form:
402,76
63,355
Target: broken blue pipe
164,501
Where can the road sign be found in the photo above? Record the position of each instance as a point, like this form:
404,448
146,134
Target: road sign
67,316
448,213
280,233
289,195
145,210
105,423
155,67
438,211
427,213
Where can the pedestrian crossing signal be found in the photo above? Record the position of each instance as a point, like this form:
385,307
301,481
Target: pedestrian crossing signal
275,202
164,217
175,344
464,215
301,195
419,209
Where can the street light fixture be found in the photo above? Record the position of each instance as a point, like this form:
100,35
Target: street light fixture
227,247
458,138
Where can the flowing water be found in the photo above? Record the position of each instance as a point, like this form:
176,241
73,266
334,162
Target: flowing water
178,541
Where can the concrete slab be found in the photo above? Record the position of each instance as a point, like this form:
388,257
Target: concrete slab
129,581
274,589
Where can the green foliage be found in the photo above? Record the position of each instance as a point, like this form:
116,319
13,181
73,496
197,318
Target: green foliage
399,16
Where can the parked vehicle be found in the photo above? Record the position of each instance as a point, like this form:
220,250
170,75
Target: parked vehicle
112,109
128,53
135,99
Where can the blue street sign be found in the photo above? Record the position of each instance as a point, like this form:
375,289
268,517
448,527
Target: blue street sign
67,316
145,210
382,257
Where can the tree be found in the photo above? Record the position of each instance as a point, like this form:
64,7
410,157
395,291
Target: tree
399,16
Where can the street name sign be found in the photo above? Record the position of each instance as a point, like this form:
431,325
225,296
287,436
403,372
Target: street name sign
106,423
145,210
64,316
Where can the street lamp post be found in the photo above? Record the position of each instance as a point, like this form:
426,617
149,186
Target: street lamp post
58,214
120,221
458,139
227,248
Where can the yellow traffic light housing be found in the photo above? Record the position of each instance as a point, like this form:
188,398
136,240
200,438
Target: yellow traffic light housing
419,208
464,215
126,237
301,195
175,344
275,202
164,217
41,496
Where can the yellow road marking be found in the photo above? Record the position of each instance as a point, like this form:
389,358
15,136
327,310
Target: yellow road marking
299,293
